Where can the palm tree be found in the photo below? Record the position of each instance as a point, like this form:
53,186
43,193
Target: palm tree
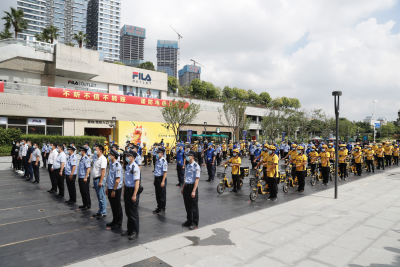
16,19
5,34
80,38
51,32
42,37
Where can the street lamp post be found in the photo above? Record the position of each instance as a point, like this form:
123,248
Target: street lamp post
205,131
373,115
114,124
336,95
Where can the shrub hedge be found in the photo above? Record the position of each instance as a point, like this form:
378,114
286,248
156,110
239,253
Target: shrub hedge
8,135
79,140
5,150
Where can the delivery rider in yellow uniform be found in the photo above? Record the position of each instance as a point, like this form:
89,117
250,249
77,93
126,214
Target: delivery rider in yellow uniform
325,165
230,148
396,154
292,154
168,153
357,156
380,155
369,156
223,150
343,154
313,156
331,151
388,154
263,157
235,164
271,170
144,153
299,162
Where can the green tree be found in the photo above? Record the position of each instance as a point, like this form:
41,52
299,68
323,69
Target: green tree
254,98
277,103
184,90
265,99
286,103
172,84
6,34
146,65
81,38
233,112
294,103
42,37
272,123
227,92
16,19
178,114
212,92
52,32
199,88
388,130
71,45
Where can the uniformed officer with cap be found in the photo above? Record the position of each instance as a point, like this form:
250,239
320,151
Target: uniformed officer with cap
58,168
72,143
131,196
88,150
70,175
190,192
115,147
114,189
138,158
44,150
160,182
84,178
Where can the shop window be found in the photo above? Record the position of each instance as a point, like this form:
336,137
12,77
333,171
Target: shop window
22,128
54,131
17,120
56,122
36,129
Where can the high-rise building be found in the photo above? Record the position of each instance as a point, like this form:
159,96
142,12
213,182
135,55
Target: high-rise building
103,24
188,74
132,43
69,16
167,55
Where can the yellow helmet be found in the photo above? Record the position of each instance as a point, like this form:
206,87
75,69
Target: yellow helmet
236,150
272,147
294,145
342,145
144,143
324,146
105,142
300,147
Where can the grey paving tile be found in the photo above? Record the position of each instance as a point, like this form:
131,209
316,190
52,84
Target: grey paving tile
88,263
334,255
352,242
290,253
313,240
264,261
315,220
379,223
220,260
178,257
388,215
248,250
275,238
283,219
263,227
311,263
168,244
376,257
386,241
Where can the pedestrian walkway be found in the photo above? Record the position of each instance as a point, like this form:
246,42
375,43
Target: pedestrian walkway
360,228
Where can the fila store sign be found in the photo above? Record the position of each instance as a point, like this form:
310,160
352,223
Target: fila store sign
139,77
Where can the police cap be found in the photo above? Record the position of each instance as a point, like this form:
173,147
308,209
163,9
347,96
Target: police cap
134,146
131,154
72,142
161,150
87,143
114,153
190,153
82,148
71,148
115,145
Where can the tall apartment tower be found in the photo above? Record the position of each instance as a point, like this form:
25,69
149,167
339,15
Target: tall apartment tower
132,44
167,55
188,74
69,16
103,24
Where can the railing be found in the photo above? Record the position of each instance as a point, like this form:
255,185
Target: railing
39,46
24,89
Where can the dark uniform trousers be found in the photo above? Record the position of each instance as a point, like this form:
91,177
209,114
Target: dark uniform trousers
236,181
370,165
325,174
396,160
154,162
36,170
191,204
388,159
343,170
313,166
281,153
272,186
161,192
285,154
251,160
25,165
199,158
381,163
60,181
358,168
145,160
294,172
116,207
168,158
19,163
71,187
14,161
301,177
210,170
131,210
53,178
230,153
218,158
44,158
181,174
84,189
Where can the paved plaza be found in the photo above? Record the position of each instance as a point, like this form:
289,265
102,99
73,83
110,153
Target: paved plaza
360,228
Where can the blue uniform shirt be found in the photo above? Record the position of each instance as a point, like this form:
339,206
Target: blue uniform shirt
252,149
210,155
138,160
286,148
257,153
61,158
66,151
155,151
94,154
114,173
140,151
84,164
132,174
192,172
200,148
48,148
44,148
72,161
161,167
89,151
179,157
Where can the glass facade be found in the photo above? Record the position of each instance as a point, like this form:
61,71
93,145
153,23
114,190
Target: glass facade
138,91
53,126
103,27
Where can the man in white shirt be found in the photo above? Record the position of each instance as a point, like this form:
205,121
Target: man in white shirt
24,150
98,173
36,162
52,156
58,168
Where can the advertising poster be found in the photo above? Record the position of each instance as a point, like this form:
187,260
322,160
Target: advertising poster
140,132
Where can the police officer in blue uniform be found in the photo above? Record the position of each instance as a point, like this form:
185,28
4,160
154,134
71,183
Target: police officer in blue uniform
210,162
44,149
88,150
257,153
65,149
70,175
84,178
114,189
180,164
73,145
190,192
131,196
160,182
48,150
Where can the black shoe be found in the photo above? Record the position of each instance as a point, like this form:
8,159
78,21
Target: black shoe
234,191
109,224
162,213
186,224
59,196
178,184
101,216
28,179
95,215
301,191
208,180
274,199
133,236
193,227
35,182
156,211
53,192
125,233
50,191
86,208
115,227
152,171
81,207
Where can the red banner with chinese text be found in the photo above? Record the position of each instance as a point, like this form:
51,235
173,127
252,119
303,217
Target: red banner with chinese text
103,97
1,87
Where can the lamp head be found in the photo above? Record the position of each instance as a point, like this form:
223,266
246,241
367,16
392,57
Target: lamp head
336,93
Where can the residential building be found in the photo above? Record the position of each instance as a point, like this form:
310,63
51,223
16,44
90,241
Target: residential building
188,74
132,43
103,24
167,55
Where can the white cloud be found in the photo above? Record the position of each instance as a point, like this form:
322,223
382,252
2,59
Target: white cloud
244,44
